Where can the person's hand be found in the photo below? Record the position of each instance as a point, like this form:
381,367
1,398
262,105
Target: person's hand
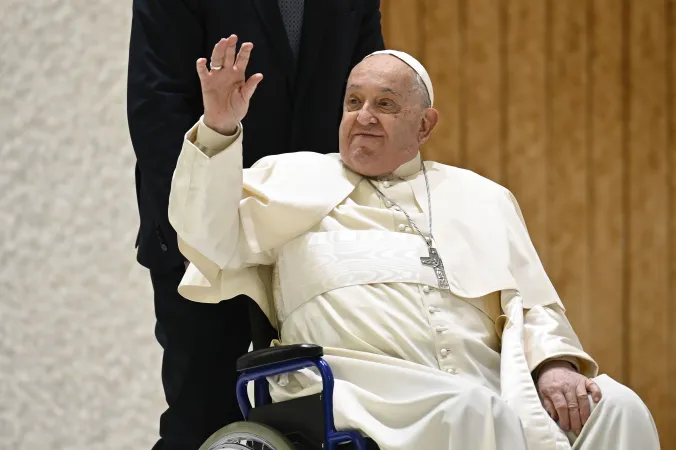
564,395
225,92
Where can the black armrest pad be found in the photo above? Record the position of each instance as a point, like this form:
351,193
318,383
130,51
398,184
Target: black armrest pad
275,355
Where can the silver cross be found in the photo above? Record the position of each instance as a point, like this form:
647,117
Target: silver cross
434,261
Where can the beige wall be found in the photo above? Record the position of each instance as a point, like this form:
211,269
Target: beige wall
572,105
79,367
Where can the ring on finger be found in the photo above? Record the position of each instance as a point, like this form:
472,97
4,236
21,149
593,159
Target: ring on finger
216,67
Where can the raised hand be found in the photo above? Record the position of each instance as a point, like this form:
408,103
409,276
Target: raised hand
225,92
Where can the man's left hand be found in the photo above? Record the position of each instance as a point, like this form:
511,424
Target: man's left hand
564,395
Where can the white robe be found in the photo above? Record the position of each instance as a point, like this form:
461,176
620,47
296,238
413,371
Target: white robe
331,263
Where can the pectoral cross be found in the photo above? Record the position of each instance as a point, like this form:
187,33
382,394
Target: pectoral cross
434,261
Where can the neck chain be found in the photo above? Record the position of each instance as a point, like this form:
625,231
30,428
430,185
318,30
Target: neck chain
433,260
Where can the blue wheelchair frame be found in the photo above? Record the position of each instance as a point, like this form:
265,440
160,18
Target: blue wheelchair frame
332,438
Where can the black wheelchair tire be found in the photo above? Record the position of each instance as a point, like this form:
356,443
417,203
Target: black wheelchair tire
272,438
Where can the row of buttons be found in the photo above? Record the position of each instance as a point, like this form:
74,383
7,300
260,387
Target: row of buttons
390,204
444,352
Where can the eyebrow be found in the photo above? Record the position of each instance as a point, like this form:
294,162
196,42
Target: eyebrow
385,89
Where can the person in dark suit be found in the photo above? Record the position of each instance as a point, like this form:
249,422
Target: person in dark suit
305,49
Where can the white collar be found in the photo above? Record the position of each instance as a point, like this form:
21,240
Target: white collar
407,169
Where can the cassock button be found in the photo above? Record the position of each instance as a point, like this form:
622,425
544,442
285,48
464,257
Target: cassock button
426,289
452,371
401,227
386,184
408,229
440,329
433,310
444,352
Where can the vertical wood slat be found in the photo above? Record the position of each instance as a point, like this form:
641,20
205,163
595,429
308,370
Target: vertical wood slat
669,436
404,25
481,75
526,160
567,158
442,61
648,208
606,207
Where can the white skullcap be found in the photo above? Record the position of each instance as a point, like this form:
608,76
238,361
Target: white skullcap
413,64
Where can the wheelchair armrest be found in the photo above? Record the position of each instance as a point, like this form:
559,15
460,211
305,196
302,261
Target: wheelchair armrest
275,355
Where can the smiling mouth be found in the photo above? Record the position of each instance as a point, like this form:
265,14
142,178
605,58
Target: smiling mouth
366,135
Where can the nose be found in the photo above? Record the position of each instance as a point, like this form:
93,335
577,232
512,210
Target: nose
365,117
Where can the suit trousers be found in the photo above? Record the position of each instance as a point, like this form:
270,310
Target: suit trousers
201,344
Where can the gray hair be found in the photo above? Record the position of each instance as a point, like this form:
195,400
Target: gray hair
419,86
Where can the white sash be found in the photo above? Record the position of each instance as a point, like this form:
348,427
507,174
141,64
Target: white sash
518,388
315,263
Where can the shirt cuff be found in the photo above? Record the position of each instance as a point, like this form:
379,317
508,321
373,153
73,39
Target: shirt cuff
571,359
211,142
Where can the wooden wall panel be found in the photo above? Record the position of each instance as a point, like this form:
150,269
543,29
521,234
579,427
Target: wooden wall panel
670,25
648,258
526,132
572,106
402,22
481,87
607,139
567,120
441,57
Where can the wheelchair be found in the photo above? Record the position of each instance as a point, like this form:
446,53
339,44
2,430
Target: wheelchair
304,423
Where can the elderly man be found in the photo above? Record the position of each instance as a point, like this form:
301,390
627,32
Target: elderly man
418,279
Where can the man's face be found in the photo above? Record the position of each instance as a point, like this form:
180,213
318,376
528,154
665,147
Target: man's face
384,118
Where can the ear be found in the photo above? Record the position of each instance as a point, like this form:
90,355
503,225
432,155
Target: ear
427,124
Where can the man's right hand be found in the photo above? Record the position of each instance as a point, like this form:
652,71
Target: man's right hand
225,92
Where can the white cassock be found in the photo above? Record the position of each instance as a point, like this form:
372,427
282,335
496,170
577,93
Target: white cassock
332,263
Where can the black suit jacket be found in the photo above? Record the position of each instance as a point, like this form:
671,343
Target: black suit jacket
296,107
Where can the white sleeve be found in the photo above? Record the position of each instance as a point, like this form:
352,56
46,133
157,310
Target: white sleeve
206,192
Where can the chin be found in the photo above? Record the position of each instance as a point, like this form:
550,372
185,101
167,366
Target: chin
363,161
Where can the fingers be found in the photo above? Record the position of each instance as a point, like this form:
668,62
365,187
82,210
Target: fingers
202,70
549,407
573,411
223,54
230,46
218,53
561,407
250,86
583,402
594,390
223,62
243,56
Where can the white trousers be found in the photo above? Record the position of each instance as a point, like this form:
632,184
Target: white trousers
409,407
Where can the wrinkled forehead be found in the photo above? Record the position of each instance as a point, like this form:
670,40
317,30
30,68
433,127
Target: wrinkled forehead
381,71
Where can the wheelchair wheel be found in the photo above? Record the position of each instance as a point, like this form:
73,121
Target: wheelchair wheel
247,436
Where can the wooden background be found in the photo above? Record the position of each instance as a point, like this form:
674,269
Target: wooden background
571,104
